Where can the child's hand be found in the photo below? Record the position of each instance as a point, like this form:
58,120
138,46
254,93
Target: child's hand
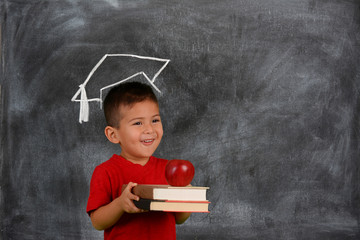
126,200
106,216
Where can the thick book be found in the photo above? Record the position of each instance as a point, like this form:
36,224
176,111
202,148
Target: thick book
167,192
172,206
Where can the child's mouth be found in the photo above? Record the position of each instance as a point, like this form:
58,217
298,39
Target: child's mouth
148,141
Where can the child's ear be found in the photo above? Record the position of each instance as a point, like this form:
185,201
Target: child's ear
111,134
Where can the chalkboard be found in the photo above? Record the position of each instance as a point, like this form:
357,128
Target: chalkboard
261,96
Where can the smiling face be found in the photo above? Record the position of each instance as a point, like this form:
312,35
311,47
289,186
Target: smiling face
139,133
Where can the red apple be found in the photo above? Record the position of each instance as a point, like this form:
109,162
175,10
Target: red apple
179,172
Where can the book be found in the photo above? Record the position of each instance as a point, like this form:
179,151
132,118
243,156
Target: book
167,192
172,206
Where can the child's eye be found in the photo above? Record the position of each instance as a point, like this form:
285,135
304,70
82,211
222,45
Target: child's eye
137,123
156,120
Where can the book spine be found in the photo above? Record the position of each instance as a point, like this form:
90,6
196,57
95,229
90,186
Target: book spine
143,192
143,204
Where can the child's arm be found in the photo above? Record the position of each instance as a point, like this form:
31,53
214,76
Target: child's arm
106,216
181,217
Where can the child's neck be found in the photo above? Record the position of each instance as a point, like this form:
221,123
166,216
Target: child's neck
140,161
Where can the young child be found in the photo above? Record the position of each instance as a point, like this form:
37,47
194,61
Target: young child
133,118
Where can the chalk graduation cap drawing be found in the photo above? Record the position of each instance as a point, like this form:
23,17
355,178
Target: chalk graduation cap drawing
112,70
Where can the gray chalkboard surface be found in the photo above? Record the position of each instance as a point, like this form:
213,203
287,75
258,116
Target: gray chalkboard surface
262,97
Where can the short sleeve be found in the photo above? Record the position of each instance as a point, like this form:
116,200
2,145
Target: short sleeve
100,190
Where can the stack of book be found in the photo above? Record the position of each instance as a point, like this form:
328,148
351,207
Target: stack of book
171,199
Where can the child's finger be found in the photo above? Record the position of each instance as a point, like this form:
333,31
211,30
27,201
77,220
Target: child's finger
130,186
131,195
134,209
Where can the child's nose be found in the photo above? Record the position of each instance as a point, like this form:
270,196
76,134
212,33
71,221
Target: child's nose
148,128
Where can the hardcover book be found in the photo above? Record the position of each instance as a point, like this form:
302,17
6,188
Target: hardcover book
167,192
172,206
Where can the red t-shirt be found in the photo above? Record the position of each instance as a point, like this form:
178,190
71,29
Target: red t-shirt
105,186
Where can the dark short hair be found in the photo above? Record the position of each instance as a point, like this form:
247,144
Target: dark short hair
125,94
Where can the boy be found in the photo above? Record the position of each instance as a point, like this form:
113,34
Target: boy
132,114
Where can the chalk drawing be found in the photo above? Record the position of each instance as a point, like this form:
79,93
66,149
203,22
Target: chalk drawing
84,101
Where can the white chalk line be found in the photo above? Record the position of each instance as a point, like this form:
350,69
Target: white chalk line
84,101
